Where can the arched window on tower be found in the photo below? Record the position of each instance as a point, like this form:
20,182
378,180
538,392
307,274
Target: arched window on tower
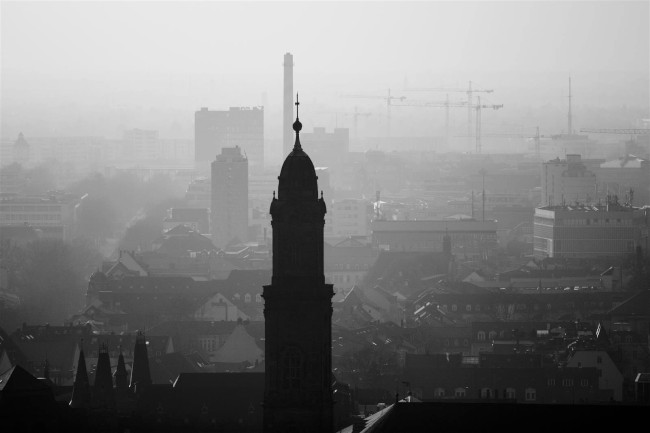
291,368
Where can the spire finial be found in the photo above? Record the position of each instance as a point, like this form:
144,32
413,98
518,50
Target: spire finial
297,126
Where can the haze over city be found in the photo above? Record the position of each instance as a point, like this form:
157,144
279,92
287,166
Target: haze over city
320,216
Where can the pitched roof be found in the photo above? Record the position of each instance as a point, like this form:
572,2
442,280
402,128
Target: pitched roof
18,380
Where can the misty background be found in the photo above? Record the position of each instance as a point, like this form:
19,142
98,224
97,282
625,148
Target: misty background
101,68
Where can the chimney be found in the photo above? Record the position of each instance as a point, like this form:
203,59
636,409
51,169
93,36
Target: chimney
287,118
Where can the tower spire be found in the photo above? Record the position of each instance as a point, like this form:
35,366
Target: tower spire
81,388
297,126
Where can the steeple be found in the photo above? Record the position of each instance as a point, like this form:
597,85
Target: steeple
103,395
81,387
120,375
298,304
140,375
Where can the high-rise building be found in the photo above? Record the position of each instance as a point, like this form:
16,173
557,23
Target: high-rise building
287,112
238,126
298,305
567,181
229,204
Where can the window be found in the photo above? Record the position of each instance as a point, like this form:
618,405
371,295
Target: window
438,393
531,394
511,393
258,298
460,392
492,335
599,360
567,382
486,393
247,297
584,382
477,307
481,336
453,307
550,382
468,307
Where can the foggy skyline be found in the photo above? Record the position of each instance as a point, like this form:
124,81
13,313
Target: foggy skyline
95,58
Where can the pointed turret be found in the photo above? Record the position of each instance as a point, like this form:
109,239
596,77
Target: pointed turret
121,376
140,375
81,388
103,395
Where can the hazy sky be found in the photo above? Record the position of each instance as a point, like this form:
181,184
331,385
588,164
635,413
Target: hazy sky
182,55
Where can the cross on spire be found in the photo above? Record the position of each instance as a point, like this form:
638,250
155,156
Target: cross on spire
297,104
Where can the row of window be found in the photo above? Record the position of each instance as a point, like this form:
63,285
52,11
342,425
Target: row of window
29,217
29,208
519,307
530,394
594,221
247,297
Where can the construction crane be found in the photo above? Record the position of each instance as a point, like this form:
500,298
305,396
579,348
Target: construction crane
439,104
478,108
470,94
355,115
389,98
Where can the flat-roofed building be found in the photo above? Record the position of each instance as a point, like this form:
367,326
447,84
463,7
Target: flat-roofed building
468,236
587,231
53,215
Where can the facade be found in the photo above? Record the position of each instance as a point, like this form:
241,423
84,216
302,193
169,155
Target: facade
349,218
229,191
52,215
141,145
298,306
568,180
586,231
469,237
241,127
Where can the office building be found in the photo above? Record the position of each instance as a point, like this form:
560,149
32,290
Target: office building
588,231
241,127
229,204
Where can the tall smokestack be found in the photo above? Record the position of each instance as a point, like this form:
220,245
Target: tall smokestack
287,118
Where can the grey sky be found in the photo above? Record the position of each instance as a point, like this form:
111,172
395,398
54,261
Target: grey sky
187,54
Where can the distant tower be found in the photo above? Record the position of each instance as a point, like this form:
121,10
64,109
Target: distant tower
229,197
298,305
81,387
103,394
21,150
140,375
287,118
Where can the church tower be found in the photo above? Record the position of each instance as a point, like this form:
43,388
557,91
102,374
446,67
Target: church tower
298,305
